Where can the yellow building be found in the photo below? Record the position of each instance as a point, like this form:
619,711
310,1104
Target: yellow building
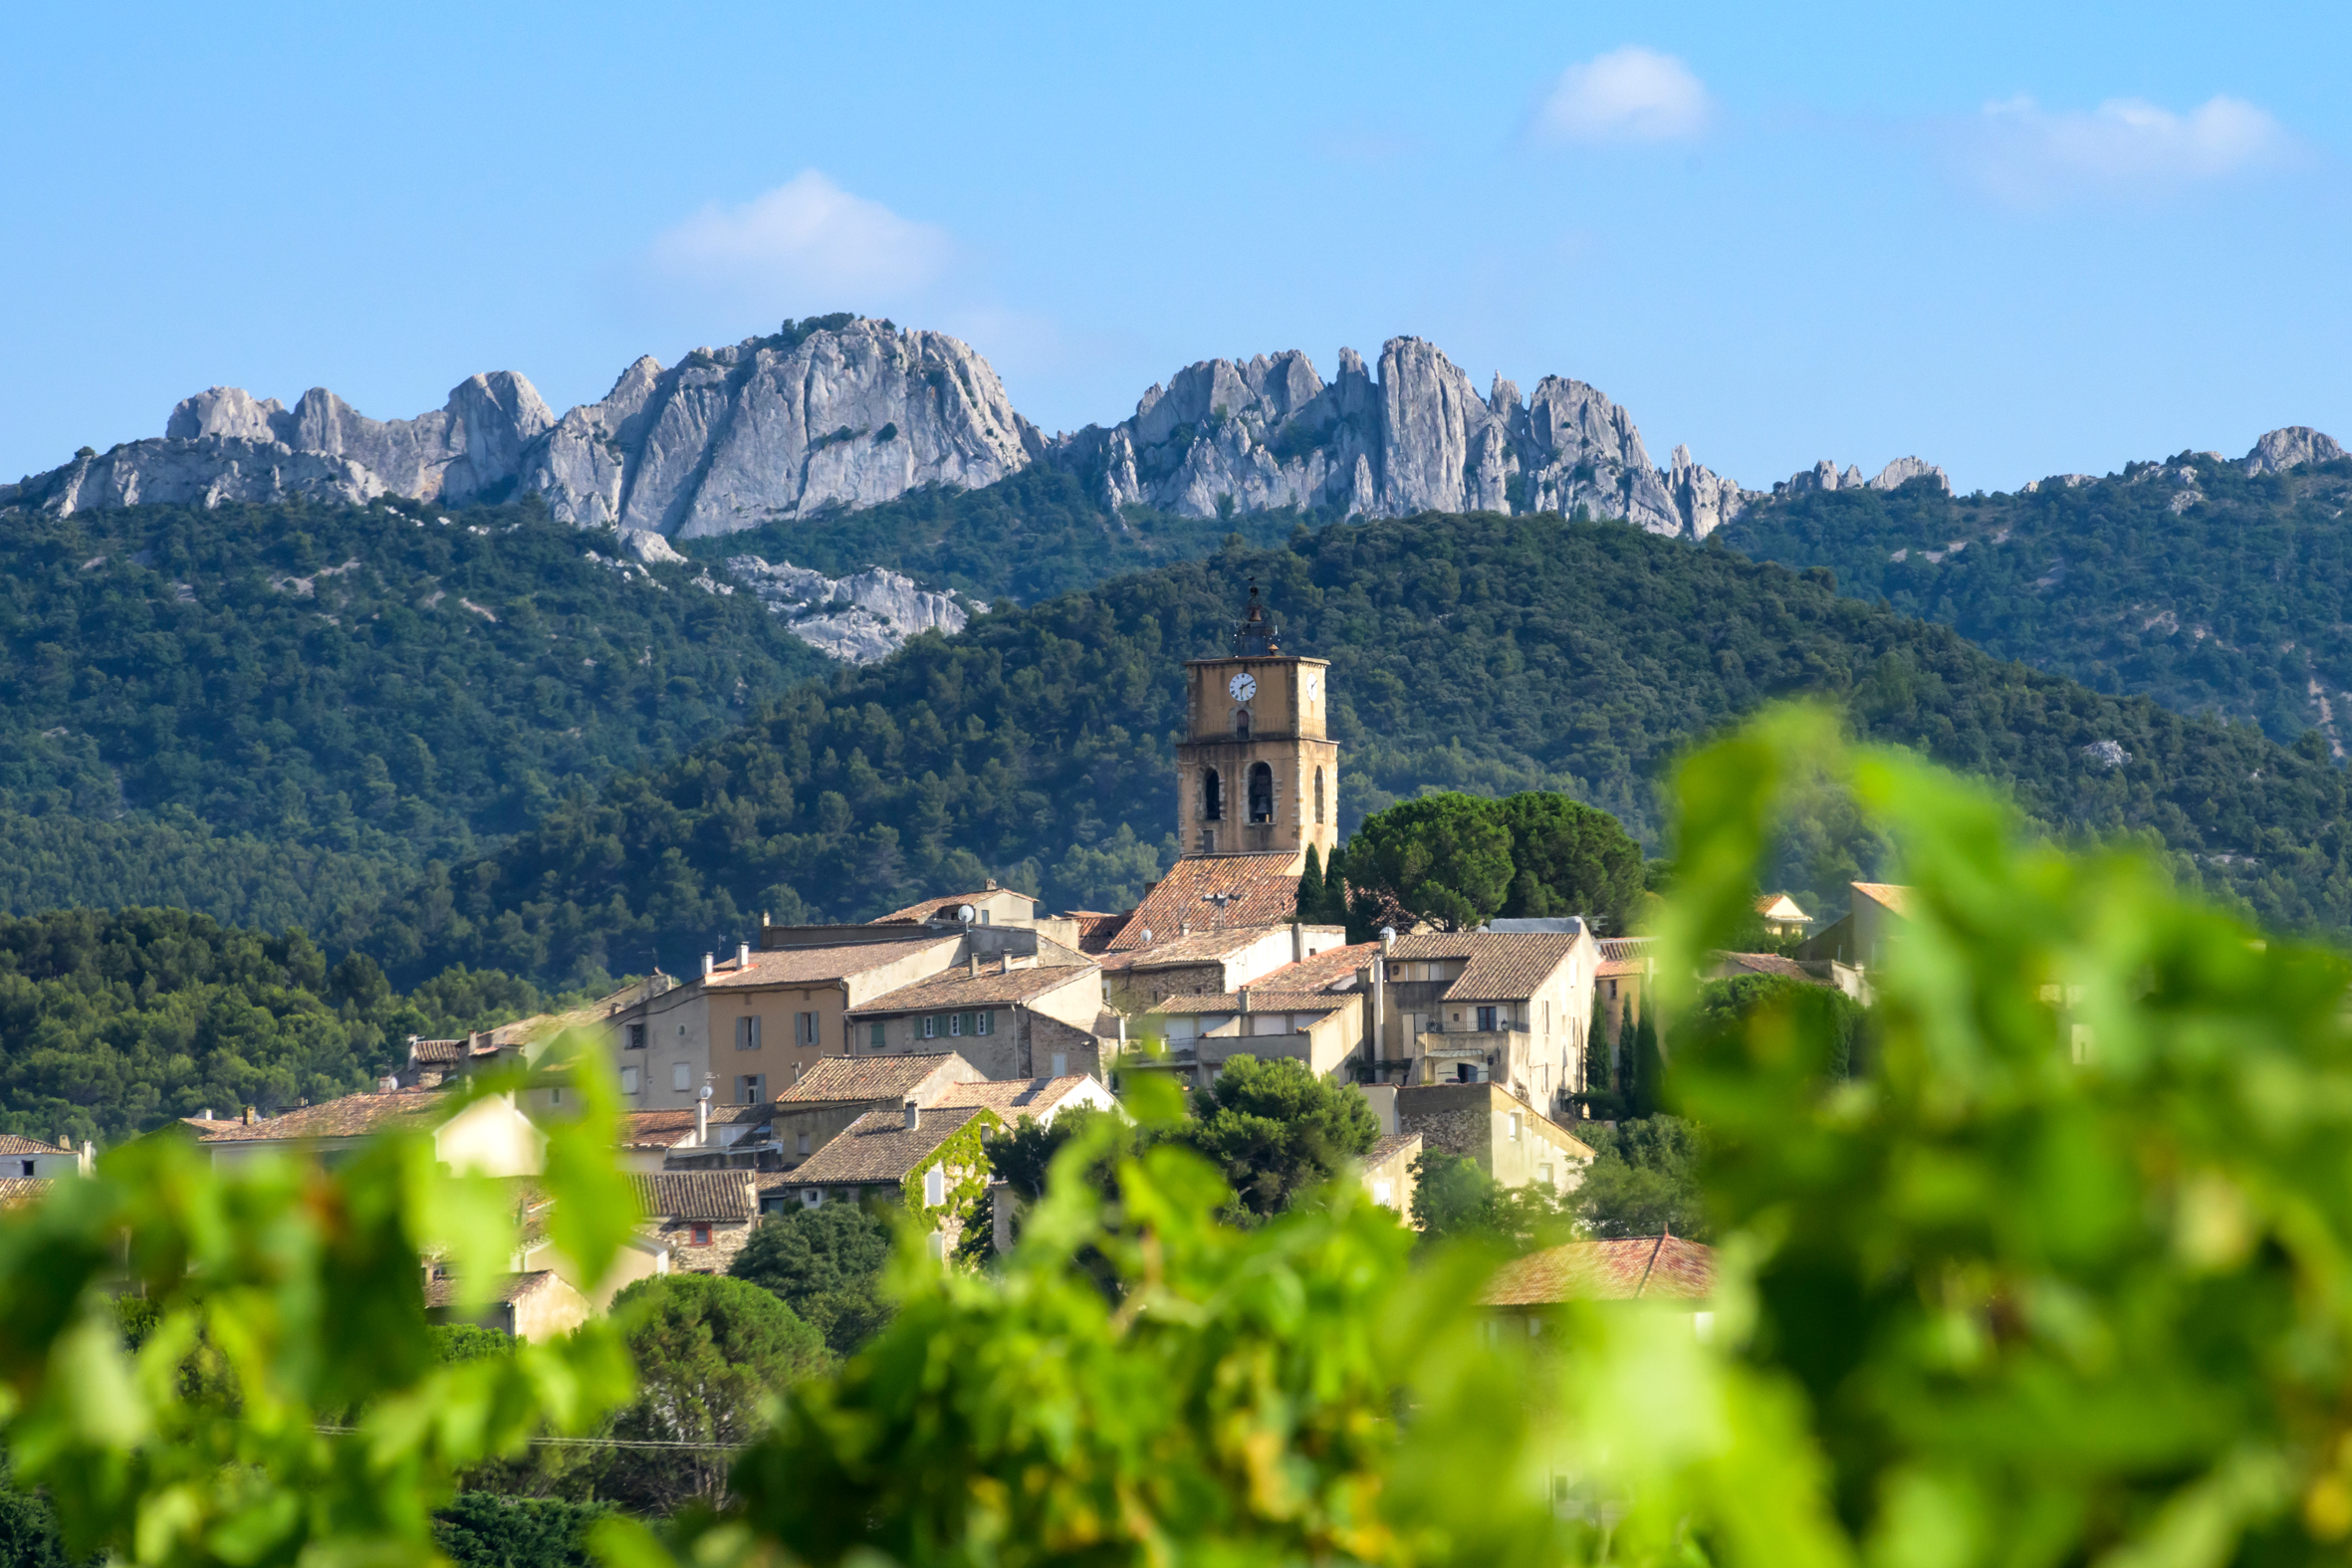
1257,770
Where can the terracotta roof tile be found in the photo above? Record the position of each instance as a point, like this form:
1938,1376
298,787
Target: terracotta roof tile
958,988
18,1190
352,1116
1255,889
1766,903
1202,947
1619,950
1648,1268
10,1143
836,1079
801,965
1771,964
1889,895
1333,967
880,1147
1612,969
694,1194
441,1290
1261,1001
1392,1145
1502,966
1014,1098
944,908
1097,929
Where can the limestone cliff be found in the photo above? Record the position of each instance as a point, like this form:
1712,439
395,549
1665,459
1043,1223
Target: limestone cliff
860,618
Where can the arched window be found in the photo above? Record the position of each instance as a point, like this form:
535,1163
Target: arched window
1241,724
1212,797
1260,793
1318,798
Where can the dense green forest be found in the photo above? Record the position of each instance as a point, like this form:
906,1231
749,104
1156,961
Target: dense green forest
277,714
2191,582
1487,654
114,1022
1027,538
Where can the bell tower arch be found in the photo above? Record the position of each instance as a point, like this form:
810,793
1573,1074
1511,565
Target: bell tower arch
1257,770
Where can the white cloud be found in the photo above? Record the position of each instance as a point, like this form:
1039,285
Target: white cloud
805,246
2031,156
1627,95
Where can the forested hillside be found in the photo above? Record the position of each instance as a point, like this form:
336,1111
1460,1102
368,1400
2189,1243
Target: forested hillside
1027,538
114,1022
2189,581
279,714
1481,653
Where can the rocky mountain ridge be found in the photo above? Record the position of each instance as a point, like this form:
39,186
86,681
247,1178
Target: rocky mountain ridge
843,411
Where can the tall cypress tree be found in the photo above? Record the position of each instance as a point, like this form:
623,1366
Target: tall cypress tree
1649,1069
1310,887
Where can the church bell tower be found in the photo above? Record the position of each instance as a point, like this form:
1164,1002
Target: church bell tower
1257,772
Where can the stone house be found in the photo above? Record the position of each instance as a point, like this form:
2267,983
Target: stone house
1388,1172
23,1157
1012,1017
1032,1099
1211,962
1661,1268
840,1089
1782,915
1486,1005
535,1305
934,1162
700,1217
1510,1139
491,1137
1322,1030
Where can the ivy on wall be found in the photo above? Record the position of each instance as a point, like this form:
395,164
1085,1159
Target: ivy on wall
966,1149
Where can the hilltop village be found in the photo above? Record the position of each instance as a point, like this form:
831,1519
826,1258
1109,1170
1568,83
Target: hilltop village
830,1064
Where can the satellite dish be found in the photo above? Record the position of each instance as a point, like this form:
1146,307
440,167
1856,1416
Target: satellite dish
966,913
705,1095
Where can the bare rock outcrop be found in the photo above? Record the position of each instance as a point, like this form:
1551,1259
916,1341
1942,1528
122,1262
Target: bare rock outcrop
1825,475
860,618
2291,447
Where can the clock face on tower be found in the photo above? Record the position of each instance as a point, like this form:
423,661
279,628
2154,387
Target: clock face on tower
1313,685
1243,686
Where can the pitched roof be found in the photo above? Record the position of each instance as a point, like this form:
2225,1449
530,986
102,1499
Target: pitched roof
1261,1001
1611,968
445,1050
880,1147
441,1290
1502,964
18,1190
694,1194
1202,947
803,966
1771,964
352,1116
10,1143
1096,927
837,1078
1390,1146
1216,893
1620,950
1333,967
960,987
1888,895
664,1129
1648,1268
1012,1098
1788,908
944,908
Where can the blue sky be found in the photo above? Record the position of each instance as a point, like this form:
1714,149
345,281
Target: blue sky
2014,239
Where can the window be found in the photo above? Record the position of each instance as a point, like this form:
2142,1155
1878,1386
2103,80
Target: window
555,1096
804,1028
1462,1073
1543,1174
1061,1063
987,1022
1212,797
955,1023
874,1038
633,1038
811,1197
1318,798
1260,793
28,1166
681,1076
1515,1126
1384,1193
746,1034
931,1026
986,918
698,1236
934,1188
1486,1017
751,1088
1612,990
1241,724
801,1144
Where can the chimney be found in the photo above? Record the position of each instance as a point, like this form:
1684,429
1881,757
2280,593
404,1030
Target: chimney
1000,1209
64,1143
1298,941
387,1084
1184,928
743,955
702,1118
206,1113
1245,996
973,963
248,1115
914,1116
709,962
